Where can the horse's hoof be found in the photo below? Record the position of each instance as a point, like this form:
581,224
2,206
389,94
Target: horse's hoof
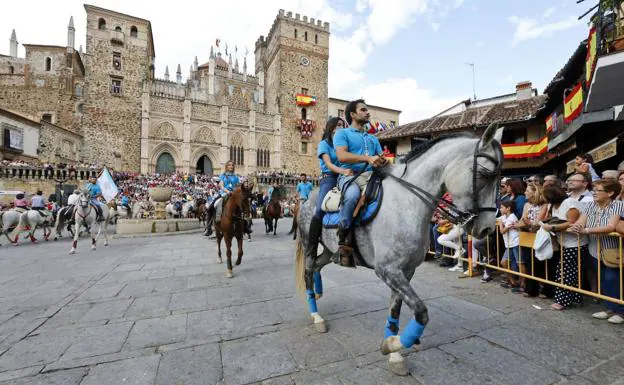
320,327
219,260
229,274
397,364
105,244
238,262
391,344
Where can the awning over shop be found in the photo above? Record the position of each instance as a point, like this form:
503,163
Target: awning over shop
607,87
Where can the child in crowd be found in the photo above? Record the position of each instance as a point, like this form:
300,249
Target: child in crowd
511,237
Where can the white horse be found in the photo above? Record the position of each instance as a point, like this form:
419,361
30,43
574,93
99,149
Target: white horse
8,221
29,221
172,209
188,208
394,244
86,216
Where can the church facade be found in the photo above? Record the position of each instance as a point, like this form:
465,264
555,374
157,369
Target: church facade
118,113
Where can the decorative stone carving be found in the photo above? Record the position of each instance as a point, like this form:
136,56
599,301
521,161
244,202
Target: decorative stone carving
164,131
204,135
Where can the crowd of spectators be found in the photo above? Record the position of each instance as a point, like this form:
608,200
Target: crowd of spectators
578,222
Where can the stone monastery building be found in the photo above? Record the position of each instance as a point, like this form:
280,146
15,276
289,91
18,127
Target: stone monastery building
106,104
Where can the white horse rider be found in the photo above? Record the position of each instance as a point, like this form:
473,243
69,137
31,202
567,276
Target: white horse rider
85,215
36,217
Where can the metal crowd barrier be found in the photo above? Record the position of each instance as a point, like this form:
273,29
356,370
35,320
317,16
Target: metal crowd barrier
526,241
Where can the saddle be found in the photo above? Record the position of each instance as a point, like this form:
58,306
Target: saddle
366,209
43,213
20,210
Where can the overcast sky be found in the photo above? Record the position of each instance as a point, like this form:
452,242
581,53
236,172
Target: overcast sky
404,54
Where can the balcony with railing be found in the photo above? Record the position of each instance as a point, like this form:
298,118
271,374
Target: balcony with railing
117,37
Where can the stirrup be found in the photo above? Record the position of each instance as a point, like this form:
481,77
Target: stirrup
345,255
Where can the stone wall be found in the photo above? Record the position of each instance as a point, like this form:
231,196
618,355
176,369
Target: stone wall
59,145
112,123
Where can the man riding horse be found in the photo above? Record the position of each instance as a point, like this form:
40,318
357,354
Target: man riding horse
360,152
95,192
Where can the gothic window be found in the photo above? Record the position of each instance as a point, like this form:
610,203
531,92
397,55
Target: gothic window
237,155
295,33
263,158
11,70
304,91
305,36
70,60
102,24
47,118
118,29
48,64
304,148
304,114
116,86
133,31
315,38
78,90
117,61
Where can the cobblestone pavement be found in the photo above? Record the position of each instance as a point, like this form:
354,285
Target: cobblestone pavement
160,311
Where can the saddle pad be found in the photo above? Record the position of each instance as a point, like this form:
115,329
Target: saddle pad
331,220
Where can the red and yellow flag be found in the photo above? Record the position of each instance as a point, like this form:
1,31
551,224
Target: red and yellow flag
526,150
590,60
549,123
305,100
573,104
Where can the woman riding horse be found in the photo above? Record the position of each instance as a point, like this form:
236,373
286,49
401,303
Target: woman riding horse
227,182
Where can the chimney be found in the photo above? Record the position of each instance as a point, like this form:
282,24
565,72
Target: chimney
524,90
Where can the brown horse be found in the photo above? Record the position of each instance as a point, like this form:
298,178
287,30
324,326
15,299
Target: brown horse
295,213
233,224
271,213
201,208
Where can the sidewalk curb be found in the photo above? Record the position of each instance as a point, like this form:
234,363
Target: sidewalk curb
151,235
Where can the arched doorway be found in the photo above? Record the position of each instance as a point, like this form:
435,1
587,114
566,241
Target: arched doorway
204,166
165,164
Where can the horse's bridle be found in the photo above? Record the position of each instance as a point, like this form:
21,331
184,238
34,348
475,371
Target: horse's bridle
445,207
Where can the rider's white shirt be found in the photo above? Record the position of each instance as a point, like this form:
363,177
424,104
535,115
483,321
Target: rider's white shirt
73,199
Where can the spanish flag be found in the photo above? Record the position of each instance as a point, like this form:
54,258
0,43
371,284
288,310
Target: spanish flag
549,123
305,100
526,150
573,104
590,60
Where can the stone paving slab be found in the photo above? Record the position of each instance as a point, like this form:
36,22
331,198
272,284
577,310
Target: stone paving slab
159,310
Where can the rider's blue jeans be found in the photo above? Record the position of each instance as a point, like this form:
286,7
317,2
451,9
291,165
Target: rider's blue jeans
349,201
325,185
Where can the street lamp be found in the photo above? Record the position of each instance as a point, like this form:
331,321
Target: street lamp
473,80
60,188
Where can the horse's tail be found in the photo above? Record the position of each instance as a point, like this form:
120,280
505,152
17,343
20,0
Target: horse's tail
294,225
300,268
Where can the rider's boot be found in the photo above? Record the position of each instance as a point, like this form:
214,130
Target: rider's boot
100,215
345,247
316,228
209,220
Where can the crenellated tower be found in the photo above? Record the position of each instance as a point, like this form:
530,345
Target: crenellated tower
291,60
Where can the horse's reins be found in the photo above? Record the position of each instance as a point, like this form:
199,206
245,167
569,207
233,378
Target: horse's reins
445,207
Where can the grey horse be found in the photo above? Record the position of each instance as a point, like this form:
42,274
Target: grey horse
394,244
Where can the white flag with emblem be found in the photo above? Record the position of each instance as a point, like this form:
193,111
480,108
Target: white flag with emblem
108,186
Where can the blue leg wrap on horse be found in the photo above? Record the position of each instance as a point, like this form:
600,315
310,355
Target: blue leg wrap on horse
312,301
318,283
412,333
388,330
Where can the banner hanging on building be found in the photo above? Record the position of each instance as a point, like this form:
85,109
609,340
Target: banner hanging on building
590,60
108,186
573,104
526,150
305,100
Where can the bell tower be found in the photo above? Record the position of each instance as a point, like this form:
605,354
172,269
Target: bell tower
293,60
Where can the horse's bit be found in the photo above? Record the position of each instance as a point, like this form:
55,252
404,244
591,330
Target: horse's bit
449,210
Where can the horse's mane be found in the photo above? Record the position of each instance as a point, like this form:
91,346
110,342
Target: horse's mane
421,148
